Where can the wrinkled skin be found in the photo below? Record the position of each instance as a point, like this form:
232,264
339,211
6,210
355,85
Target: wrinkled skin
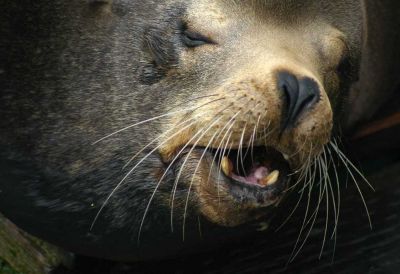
74,72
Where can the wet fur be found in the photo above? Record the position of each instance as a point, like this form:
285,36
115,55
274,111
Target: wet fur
71,73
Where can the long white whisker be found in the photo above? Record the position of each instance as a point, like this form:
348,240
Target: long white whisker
222,155
321,189
254,138
345,159
131,171
307,176
203,132
228,124
160,180
334,234
356,184
162,135
327,206
240,152
250,143
155,118
292,212
292,255
192,180
313,217
233,121
191,100
304,171
338,191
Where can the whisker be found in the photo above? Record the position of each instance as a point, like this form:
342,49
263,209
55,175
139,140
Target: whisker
192,180
203,132
223,155
292,255
155,118
161,179
291,213
335,204
240,152
266,134
307,176
327,206
254,138
305,167
338,190
355,182
131,171
155,140
223,152
192,99
312,219
301,147
343,156
308,173
321,189
249,143
221,142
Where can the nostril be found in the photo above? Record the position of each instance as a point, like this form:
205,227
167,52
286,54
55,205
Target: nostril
309,91
299,96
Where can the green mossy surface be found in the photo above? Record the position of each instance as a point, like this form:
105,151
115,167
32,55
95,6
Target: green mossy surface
6,269
24,253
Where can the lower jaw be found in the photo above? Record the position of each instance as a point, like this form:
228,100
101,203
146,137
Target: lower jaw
226,202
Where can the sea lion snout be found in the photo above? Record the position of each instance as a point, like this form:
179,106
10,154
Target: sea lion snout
299,96
264,109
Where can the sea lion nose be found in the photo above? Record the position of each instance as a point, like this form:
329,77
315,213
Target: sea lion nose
299,96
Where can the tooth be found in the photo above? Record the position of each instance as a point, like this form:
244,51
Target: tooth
271,179
286,157
226,166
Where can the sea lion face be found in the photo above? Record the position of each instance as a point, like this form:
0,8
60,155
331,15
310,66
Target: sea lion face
210,108
256,85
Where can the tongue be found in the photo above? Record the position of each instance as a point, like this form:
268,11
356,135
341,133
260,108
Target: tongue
254,176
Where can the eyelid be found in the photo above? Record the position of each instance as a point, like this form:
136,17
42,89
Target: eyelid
197,36
193,38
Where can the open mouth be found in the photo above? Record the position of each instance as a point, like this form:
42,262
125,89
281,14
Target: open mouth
234,186
257,176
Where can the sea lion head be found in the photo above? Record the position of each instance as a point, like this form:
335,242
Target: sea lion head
253,90
142,113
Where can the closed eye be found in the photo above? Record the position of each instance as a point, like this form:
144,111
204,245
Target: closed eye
193,39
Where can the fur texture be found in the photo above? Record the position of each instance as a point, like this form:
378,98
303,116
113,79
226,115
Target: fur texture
73,72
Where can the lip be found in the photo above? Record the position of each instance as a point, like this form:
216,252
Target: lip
244,195
258,195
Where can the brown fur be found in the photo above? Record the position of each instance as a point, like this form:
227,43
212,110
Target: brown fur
82,81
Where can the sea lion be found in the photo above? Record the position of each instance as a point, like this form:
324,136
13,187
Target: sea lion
124,120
